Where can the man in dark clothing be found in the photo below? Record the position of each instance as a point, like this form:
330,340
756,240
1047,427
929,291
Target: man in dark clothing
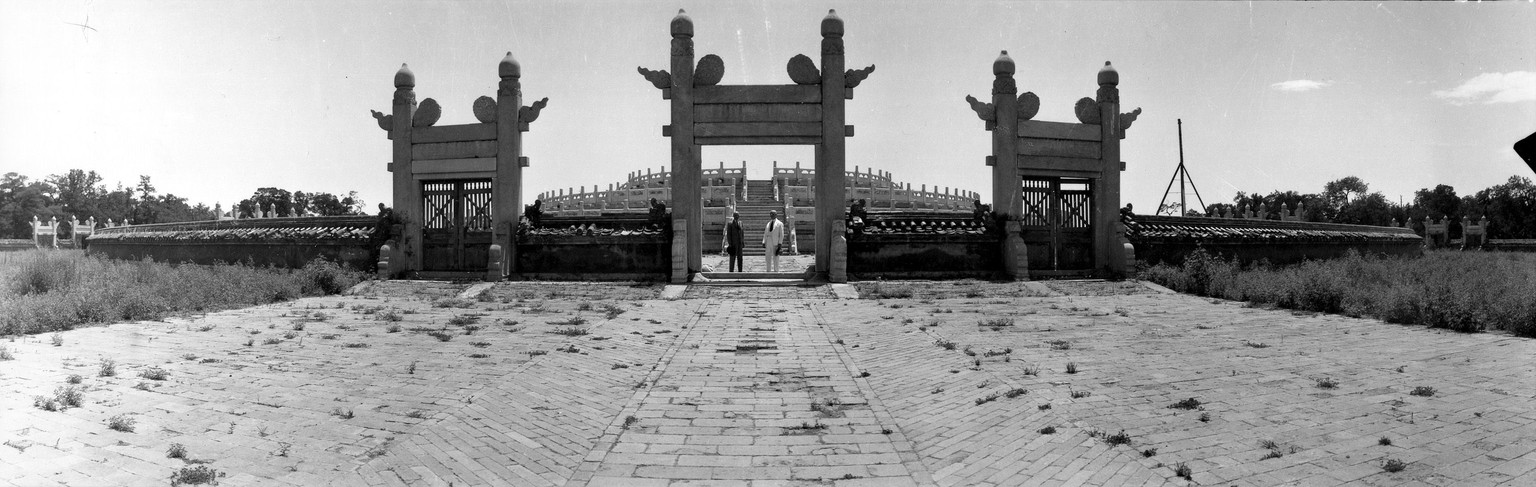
734,239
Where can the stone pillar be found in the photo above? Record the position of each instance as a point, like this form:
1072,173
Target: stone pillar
686,163
494,270
831,153
1108,253
507,190
1007,194
407,192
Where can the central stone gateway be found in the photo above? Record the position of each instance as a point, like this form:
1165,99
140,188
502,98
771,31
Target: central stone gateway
808,112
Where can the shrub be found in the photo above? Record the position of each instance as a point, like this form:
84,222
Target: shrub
177,450
1393,465
5,354
74,379
108,368
1422,391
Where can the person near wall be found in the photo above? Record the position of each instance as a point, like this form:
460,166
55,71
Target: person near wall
773,236
735,239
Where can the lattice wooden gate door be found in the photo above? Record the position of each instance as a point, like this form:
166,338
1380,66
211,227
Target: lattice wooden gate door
456,226
1057,225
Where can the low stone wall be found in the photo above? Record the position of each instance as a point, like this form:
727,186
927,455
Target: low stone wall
281,242
598,258
908,256
1169,239
1511,244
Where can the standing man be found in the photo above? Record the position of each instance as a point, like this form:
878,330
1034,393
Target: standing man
735,238
772,237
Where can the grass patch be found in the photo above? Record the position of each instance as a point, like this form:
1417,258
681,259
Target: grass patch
1118,439
43,292
107,368
177,450
1422,391
440,336
1048,430
1327,383
1461,291
571,331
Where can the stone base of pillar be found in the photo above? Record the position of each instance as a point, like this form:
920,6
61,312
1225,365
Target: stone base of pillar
493,264
839,261
679,251
385,253
1015,259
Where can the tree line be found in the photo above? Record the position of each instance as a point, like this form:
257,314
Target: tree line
1510,207
82,194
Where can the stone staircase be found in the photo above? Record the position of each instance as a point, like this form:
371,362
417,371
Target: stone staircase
754,215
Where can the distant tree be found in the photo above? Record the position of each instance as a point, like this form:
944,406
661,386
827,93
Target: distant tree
263,200
1439,203
1345,189
77,191
20,201
1215,209
326,204
1254,202
1372,209
1509,207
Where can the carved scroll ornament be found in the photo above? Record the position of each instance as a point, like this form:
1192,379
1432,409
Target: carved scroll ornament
1088,111
853,77
984,111
427,114
709,71
530,113
802,70
1029,105
485,109
660,78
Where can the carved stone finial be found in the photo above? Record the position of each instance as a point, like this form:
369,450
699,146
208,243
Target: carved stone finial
660,78
802,70
1003,65
852,77
427,113
984,111
509,67
404,78
682,25
1108,75
485,109
832,25
1088,111
1029,105
709,71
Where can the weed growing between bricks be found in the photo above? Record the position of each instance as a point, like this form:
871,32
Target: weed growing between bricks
154,373
1422,391
1393,465
195,475
121,423
1182,470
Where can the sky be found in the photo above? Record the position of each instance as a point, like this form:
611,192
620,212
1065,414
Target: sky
214,99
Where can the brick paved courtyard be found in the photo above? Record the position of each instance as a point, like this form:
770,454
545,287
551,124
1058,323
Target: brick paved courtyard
771,386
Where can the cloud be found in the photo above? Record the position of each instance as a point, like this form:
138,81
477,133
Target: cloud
1511,87
1298,85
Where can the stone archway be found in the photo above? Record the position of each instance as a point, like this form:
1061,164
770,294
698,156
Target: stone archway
808,112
